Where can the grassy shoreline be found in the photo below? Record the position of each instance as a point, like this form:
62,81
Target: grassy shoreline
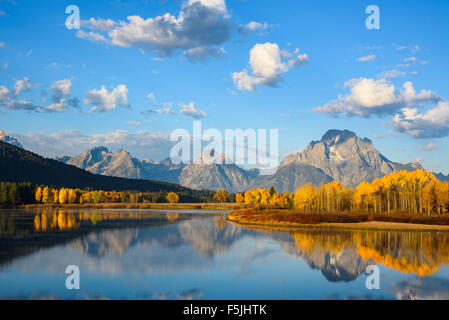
285,219
162,206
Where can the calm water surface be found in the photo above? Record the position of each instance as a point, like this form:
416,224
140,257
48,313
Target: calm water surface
137,254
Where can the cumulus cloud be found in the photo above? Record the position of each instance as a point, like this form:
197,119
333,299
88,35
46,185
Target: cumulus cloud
267,63
199,28
61,89
202,53
429,146
103,100
22,85
99,24
21,105
60,97
92,36
371,57
369,97
430,123
5,94
190,110
253,26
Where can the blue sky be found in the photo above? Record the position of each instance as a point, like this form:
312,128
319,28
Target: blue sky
80,88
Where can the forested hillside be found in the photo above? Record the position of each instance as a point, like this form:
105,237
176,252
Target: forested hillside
18,165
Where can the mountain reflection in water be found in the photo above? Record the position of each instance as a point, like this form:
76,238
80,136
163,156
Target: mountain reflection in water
195,245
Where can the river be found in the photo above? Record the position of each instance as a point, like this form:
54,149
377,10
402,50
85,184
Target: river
154,254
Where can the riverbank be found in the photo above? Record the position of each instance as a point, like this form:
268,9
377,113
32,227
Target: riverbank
289,219
161,206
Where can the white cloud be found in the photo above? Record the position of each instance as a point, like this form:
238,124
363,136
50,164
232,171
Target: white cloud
415,60
376,97
2,13
190,110
99,24
59,106
61,89
5,94
371,57
267,63
29,52
431,123
429,146
200,27
2,44
92,36
134,123
22,85
413,49
28,106
394,73
253,26
60,97
202,53
165,110
103,100
61,92
151,97
401,48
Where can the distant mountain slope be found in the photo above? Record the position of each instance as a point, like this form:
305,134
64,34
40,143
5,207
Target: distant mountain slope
211,170
345,157
10,140
292,176
100,160
214,177
18,165
442,177
200,176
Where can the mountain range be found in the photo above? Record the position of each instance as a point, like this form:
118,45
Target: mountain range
19,165
339,155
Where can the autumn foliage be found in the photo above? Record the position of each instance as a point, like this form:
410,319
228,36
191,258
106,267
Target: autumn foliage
263,199
221,196
417,192
45,194
172,197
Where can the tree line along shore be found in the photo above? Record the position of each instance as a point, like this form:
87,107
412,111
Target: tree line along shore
404,196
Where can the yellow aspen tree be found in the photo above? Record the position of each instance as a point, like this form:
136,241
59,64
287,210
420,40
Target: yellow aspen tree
45,195
239,198
172,197
38,194
55,196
